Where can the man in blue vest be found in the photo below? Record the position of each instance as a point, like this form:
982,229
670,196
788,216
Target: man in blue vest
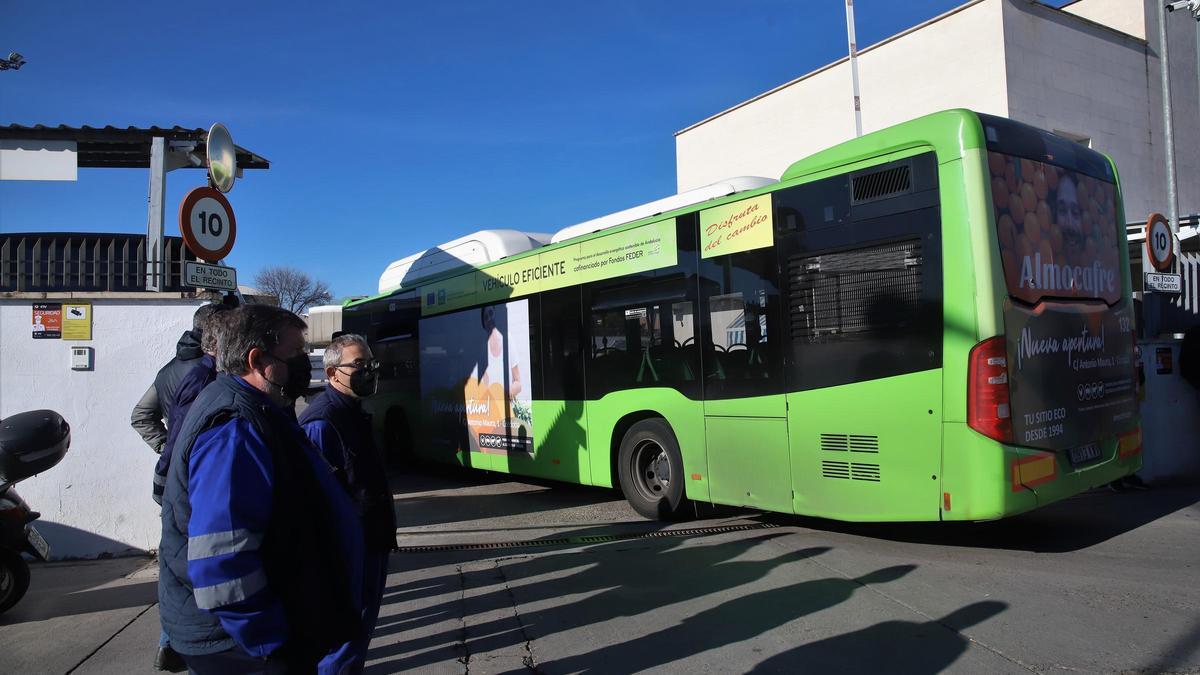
337,424
260,565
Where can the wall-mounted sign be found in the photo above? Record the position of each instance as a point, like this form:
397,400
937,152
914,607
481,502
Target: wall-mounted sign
1164,283
207,224
47,321
1160,242
740,226
76,321
200,275
1163,363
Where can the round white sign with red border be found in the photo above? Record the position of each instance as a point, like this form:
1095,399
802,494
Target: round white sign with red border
207,224
1160,242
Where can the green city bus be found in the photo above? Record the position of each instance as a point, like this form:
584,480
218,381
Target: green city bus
929,322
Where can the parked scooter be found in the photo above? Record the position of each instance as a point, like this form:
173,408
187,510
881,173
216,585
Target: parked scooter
30,443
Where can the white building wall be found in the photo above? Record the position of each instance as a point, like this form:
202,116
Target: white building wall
1058,70
97,500
1070,76
1127,16
953,61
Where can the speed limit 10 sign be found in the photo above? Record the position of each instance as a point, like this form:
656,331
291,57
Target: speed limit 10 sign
1160,242
207,224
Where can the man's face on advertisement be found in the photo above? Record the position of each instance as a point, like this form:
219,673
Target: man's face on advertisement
1067,213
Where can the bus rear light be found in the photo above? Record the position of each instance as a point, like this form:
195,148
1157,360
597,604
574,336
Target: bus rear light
988,410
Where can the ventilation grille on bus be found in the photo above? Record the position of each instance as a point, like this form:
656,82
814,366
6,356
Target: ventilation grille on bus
869,187
875,288
849,443
850,470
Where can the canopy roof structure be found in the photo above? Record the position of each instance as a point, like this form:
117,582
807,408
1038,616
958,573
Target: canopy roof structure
126,148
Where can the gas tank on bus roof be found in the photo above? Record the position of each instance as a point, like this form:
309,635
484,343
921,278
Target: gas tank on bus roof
701,194
472,250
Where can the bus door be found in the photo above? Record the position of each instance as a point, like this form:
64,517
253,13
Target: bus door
860,256
745,414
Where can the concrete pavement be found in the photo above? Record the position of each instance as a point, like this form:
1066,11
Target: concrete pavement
503,576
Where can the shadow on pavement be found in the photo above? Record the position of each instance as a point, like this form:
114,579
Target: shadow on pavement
888,647
621,579
1069,525
68,589
742,618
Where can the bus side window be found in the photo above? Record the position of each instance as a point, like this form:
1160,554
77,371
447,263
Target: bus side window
642,334
561,347
740,302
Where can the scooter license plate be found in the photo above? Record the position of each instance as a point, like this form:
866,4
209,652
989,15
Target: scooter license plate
38,543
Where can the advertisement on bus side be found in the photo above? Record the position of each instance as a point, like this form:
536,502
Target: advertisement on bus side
475,379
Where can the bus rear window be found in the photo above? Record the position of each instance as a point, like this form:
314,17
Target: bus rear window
1057,229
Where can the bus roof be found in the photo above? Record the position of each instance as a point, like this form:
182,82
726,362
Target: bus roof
717,190
473,250
956,131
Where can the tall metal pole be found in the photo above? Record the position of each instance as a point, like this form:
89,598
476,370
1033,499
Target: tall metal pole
1168,126
155,244
853,66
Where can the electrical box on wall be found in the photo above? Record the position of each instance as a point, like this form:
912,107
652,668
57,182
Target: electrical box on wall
81,358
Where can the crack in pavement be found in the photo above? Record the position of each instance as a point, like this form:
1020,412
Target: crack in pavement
111,638
465,659
530,660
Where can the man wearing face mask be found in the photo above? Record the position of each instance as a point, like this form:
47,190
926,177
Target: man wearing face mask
337,424
260,565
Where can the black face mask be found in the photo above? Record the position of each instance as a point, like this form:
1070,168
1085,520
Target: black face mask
298,377
364,382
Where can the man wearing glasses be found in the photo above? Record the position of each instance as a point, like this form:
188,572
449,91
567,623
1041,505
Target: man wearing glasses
337,424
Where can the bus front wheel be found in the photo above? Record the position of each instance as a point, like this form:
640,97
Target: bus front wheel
650,469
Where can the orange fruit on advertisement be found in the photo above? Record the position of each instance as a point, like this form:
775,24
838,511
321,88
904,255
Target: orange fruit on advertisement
999,192
1024,248
1028,197
1016,208
1007,232
1044,215
1039,183
1027,169
1047,252
1033,230
996,164
1010,177
1056,237
1052,174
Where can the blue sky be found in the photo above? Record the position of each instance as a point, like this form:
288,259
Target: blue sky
392,127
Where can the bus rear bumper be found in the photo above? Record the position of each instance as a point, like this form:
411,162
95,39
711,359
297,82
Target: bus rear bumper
984,480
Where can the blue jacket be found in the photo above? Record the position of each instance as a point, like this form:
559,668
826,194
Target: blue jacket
199,377
337,424
261,548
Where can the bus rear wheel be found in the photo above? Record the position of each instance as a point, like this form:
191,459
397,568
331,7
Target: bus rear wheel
650,469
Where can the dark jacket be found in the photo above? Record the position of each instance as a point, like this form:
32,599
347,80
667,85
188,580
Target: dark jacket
341,429
261,549
199,377
155,404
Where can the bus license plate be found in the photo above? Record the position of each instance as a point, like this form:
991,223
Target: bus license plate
39,543
1084,453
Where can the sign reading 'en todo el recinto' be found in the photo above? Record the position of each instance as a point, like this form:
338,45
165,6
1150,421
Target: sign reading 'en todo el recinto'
740,226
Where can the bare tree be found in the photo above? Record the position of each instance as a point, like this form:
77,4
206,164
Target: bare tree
295,289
